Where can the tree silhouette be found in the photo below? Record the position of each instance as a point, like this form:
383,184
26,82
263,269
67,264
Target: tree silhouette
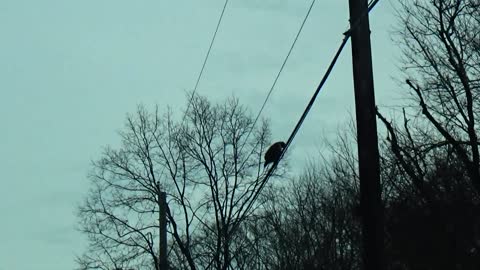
210,171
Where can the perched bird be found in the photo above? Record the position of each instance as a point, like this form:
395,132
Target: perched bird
273,153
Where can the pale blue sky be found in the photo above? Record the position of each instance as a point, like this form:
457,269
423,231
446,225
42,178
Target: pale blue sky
71,70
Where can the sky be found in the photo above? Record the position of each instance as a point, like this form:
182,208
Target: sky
70,71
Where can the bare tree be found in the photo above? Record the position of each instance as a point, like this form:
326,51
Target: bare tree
441,61
433,146
209,167
309,222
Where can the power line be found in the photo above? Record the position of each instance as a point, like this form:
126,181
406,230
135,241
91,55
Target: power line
347,36
297,127
279,72
347,33
275,81
206,57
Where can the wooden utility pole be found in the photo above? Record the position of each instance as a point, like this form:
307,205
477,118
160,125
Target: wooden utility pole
162,220
368,158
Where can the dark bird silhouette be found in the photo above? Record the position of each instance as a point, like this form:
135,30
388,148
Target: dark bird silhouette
273,153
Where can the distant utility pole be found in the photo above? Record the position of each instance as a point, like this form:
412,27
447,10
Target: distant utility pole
162,220
368,158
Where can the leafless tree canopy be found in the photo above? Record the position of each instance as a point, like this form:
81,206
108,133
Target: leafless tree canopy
210,170
441,61
432,149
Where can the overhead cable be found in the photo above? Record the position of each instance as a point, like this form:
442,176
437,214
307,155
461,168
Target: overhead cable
278,73
346,37
206,57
